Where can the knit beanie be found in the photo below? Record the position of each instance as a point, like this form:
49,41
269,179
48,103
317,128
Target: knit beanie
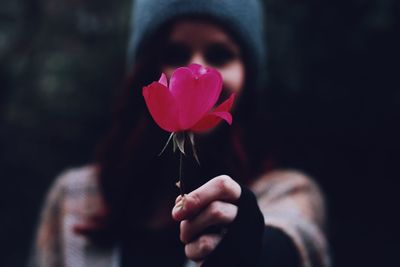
242,18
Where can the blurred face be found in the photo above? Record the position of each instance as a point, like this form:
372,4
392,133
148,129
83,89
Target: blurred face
206,44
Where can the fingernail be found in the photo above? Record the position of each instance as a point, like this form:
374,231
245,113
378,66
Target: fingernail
179,198
180,203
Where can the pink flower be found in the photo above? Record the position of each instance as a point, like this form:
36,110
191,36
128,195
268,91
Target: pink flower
187,103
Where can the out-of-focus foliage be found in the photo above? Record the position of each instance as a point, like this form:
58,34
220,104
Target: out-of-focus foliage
61,62
334,96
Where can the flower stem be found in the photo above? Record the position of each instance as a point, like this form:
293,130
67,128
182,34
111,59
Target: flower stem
180,174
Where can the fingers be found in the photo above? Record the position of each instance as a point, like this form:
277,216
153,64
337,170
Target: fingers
217,213
221,188
201,247
212,204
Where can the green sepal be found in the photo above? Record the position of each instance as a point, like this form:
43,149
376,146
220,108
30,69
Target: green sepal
191,138
179,141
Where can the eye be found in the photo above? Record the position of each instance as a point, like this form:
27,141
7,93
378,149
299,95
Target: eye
219,55
175,54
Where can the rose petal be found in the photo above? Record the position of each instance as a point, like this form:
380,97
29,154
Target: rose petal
195,94
212,119
227,104
162,106
163,80
198,69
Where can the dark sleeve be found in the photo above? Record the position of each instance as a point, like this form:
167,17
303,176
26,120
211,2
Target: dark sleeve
249,243
278,249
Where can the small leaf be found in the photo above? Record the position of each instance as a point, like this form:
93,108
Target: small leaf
179,140
165,146
191,138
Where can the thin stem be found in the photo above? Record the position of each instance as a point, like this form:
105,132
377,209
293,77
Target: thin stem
180,174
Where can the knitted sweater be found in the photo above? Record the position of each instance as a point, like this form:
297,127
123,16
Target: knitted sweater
289,201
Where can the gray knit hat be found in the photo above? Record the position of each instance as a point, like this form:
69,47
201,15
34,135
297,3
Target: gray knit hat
243,18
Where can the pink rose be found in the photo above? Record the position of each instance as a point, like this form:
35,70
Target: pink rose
187,102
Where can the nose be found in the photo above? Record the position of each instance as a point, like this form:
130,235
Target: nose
198,58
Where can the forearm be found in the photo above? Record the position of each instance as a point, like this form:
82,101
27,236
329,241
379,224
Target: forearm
248,242
292,203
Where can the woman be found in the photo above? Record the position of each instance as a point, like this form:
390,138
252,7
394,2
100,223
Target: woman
117,212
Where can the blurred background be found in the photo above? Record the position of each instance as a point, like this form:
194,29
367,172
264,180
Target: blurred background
334,99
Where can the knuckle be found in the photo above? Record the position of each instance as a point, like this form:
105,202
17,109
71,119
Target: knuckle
216,210
224,184
205,245
189,251
194,200
192,253
200,248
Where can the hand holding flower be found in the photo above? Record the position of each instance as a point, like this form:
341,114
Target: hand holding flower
212,204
